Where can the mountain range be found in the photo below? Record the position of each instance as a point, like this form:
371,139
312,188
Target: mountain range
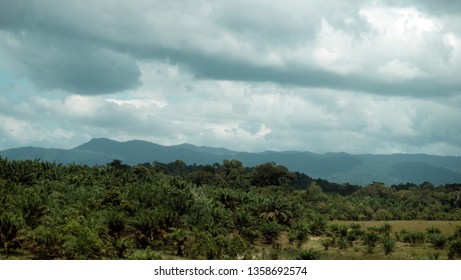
335,167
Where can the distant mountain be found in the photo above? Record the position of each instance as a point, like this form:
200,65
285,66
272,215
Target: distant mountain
335,167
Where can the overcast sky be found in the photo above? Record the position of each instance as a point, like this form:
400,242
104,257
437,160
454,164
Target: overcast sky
307,75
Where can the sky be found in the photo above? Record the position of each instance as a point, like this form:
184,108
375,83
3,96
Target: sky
375,77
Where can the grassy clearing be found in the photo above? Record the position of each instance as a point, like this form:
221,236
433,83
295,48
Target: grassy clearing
446,227
358,252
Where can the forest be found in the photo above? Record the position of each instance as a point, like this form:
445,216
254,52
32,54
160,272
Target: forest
220,211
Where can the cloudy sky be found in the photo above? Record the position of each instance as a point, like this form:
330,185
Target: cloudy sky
308,75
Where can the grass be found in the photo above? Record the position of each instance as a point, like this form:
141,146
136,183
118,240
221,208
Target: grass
358,252
446,227
402,251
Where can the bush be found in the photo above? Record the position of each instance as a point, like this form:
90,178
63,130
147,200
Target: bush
438,240
388,245
270,232
308,254
457,233
454,249
412,237
318,226
121,246
326,243
370,238
343,243
205,246
385,229
433,230
300,234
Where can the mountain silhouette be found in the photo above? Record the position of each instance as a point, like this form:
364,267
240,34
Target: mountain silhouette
335,167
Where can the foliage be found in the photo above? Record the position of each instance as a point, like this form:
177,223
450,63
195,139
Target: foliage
220,211
438,240
10,227
412,237
270,231
308,254
454,249
299,234
326,243
370,239
388,245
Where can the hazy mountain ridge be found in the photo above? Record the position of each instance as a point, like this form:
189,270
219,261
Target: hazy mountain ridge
335,167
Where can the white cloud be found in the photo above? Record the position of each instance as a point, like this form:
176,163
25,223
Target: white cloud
396,70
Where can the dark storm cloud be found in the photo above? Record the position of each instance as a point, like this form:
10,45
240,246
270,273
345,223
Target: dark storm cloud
222,68
82,70
430,6
55,55
89,52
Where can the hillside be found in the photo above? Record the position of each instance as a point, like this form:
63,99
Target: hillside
335,167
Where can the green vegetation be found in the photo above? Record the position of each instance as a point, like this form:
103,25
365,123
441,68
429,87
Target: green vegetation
220,211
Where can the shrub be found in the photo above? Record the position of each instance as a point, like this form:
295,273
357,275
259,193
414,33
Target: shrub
308,254
250,234
433,230
205,246
388,245
270,231
121,246
343,243
354,232
370,238
385,229
326,243
299,234
454,249
318,226
412,237
457,233
438,240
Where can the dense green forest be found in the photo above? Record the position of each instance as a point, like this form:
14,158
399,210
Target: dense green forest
220,211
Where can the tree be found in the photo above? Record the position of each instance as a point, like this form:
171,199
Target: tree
314,193
46,242
10,227
276,209
270,174
317,225
80,241
116,223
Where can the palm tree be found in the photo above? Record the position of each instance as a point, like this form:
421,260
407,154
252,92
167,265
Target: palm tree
10,227
275,209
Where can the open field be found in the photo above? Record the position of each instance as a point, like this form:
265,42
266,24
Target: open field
446,227
357,250
402,251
